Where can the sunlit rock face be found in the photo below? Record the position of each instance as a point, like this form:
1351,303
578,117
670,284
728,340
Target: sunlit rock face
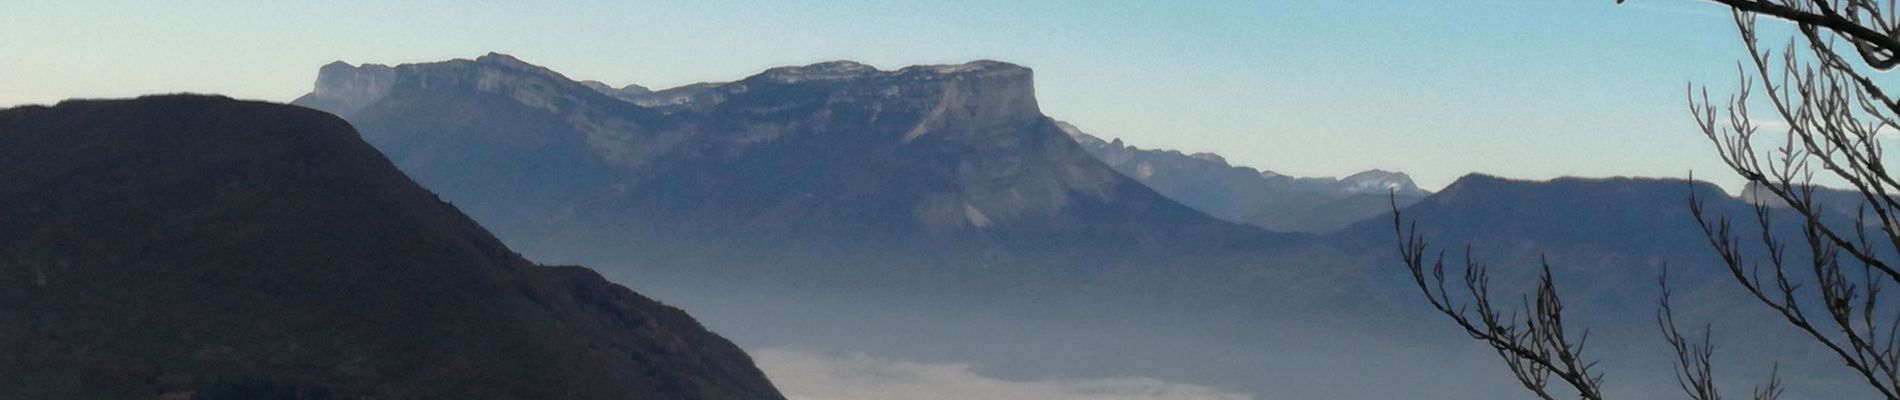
343,89
969,138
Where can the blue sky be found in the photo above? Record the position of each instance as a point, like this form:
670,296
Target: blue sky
1435,88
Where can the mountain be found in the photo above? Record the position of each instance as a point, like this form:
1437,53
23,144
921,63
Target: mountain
933,213
832,205
667,99
952,160
1206,182
207,248
1608,241
628,92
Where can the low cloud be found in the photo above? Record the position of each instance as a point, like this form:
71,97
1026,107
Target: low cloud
804,375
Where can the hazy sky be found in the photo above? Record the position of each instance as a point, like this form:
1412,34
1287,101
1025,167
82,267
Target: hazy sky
1435,88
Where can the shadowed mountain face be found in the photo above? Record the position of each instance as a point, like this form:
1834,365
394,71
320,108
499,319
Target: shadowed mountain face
197,246
1567,212
933,213
1607,242
1244,195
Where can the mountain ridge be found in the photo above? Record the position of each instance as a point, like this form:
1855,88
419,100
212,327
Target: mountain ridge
1240,194
747,134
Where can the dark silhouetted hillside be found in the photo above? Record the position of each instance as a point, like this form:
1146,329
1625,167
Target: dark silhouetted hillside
185,245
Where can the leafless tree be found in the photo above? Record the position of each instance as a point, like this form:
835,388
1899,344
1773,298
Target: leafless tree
1823,87
1533,342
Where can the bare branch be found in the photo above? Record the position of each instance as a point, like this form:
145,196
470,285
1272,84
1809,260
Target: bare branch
1533,342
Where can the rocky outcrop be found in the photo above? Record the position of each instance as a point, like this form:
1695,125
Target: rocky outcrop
343,89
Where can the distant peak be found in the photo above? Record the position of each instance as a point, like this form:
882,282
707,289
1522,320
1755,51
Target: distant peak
1210,157
1080,136
1482,179
343,67
1376,180
499,58
343,89
508,61
603,87
1380,175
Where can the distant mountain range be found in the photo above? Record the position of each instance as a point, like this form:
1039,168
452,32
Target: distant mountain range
205,248
1244,195
934,213
952,161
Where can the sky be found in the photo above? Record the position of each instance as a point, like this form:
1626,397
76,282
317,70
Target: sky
1531,89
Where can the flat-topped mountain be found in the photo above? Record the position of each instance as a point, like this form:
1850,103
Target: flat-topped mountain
1206,182
803,194
956,158
189,246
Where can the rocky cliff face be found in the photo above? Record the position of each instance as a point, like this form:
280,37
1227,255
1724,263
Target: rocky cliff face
836,149
1206,182
199,247
344,89
969,139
